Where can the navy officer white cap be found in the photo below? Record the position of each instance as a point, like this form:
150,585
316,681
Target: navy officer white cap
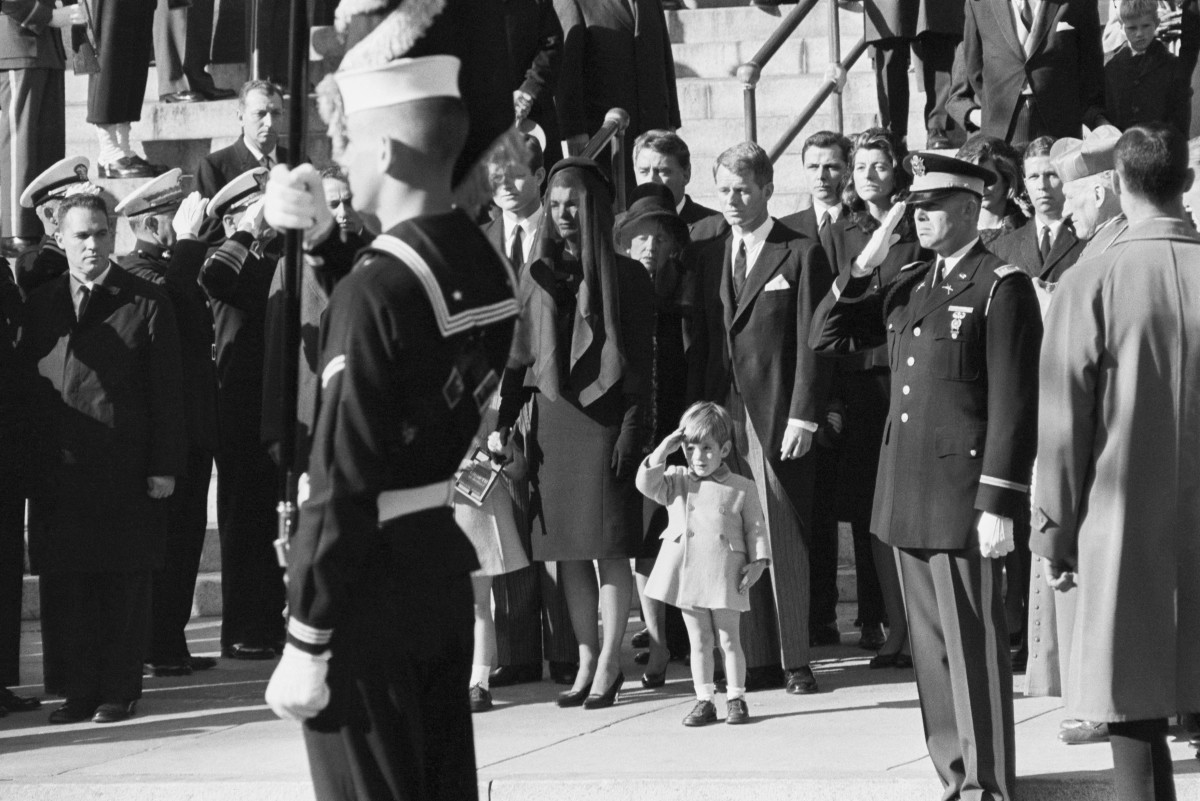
156,195
56,182
238,192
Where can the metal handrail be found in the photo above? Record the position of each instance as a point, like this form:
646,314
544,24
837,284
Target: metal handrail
612,135
751,72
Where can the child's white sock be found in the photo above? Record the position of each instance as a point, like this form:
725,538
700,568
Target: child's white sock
479,675
705,692
735,692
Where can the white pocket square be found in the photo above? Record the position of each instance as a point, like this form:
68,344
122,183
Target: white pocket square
777,283
1064,26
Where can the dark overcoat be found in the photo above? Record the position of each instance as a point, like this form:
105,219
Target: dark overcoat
1020,247
109,399
1148,88
906,19
535,42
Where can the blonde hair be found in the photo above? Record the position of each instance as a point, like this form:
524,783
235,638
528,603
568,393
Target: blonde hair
705,419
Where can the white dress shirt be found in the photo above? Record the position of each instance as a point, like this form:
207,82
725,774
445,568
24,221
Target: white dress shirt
258,154
820,209
528,226
78,283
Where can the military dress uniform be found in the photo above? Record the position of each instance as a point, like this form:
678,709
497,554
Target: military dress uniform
415,341
960,437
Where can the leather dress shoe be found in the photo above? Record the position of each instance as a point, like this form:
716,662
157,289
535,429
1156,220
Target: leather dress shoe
113,713
872,637
1082,732
168,669
508,675
74,710
128,167
11,702
936,139
186,96
217,93
249,652
641,658
736,712
202,662
704,713
894,660
652,681
801,681
827,634
481,699
563,672
641,639
767,677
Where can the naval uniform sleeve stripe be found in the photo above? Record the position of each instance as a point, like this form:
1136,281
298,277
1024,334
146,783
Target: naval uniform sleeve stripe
309,634
999,482
232,253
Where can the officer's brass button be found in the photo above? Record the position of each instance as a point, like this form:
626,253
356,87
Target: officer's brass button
906,389
904,417
973,451
917,331
911,361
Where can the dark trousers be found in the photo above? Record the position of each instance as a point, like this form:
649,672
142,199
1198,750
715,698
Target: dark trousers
252,594
964,677
182,43
398,726
94,632
175,582
871,611
1142,769
891,58
124,29
32,137
823,548
12,573
1017,566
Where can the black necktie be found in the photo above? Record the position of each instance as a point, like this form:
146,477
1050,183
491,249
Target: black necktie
739,268
825,234
939,272
266,161
516,256
85,295
1044,246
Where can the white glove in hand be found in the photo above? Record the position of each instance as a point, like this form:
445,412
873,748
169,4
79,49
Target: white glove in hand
295,199
189,217
297,690
995,535
879,244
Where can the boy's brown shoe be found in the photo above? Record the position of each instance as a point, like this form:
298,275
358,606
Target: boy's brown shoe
704,713
736,712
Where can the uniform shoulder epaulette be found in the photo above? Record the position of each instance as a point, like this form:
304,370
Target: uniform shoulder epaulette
453,313
1007,270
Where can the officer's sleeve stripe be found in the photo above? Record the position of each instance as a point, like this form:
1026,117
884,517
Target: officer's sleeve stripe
232,254
999,482
335,366
308,634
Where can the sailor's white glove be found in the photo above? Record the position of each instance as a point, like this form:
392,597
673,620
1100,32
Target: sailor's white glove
295,199
297,690
995,535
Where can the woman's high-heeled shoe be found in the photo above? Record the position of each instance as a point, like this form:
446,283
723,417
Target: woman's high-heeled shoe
893,660
608,697
573,697
652,681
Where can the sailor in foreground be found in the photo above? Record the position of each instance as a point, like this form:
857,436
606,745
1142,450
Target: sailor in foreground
963,334
45,261
379,643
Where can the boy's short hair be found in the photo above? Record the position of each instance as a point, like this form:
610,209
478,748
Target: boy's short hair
706,419
827,140
1131,10
747,157
665,143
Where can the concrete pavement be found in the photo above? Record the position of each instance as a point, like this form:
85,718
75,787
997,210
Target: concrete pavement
210,737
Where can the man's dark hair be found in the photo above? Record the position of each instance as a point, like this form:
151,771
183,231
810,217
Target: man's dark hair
1038,148
827,139
82,201
665,143
336,173
747,157
1152,160
271,89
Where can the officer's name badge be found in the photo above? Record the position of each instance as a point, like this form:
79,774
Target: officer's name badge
959,314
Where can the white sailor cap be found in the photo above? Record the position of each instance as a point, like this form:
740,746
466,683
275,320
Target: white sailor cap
56,182
401,80
156,195
241,191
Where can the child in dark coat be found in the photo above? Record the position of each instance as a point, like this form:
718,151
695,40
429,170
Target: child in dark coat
1143,82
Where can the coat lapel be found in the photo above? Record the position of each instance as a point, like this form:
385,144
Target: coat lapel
726,279
769,261
1050,13
1063,243
1002,13
954,284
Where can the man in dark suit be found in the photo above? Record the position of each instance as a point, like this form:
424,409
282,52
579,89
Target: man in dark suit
535,42
662,157
45,260
964,332
237,278
183,31
33,126
109,395
616,53
826,157
1028,69
260,112
758,288
168,253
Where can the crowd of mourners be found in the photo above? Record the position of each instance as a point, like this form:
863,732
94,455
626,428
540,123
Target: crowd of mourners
695,399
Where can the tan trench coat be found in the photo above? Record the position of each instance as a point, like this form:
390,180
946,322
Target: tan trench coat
1117,490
